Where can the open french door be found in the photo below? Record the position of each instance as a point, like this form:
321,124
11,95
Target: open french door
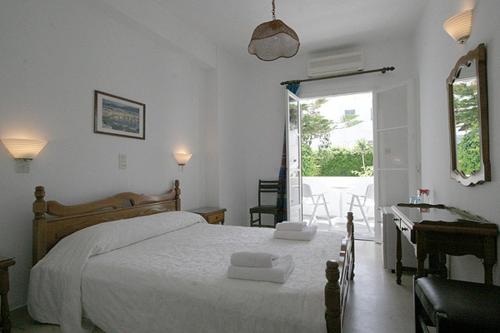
396,146
294,167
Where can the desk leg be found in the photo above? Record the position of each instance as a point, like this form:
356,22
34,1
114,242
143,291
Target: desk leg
4,288
443,270
490,257
399,255
421,256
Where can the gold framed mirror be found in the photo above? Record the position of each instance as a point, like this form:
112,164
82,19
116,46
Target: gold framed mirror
468,119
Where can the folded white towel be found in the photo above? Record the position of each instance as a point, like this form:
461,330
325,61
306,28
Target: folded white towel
305,235
253,259
279,273
291,226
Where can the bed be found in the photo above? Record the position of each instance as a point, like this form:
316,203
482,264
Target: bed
153,268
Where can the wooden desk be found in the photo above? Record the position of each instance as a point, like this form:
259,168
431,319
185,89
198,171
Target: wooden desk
213,215
437,231
5,263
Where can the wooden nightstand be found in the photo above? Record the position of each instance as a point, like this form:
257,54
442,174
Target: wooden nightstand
213,215
5,263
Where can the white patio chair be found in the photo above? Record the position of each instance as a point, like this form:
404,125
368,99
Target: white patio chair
362,202
316,200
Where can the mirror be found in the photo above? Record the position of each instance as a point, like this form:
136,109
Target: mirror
468,117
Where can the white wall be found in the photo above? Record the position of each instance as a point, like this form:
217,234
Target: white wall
437,54
53,55
257,121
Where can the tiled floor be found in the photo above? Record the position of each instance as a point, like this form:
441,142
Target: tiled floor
376,303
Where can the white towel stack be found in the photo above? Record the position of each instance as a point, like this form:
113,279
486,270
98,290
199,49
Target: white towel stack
258,266
295,231
291,226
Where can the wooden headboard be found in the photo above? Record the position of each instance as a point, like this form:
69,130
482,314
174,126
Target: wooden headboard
53,221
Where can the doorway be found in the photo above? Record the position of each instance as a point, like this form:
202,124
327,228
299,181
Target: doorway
337,162
393,166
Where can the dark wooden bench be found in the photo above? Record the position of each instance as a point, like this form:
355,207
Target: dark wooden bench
456,306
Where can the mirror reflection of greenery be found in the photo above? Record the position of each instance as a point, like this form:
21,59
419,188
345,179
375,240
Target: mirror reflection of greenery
467,127
329,160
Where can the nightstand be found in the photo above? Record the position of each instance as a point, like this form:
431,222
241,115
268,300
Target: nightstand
5,263
213,215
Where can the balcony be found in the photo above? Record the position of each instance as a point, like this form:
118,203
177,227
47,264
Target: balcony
341,194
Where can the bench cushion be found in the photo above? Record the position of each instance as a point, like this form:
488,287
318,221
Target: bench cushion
460,303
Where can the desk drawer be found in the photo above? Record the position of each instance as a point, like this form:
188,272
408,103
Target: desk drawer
406,231
215,218
397,222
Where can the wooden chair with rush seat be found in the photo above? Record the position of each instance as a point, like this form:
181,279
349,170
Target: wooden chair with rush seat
265,187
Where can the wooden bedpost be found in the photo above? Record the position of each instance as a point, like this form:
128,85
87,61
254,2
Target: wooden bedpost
39,224
350,233
177,195
332,298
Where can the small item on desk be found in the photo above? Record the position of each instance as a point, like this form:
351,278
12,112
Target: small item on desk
253,259
278,273
424,195
291,226
306,234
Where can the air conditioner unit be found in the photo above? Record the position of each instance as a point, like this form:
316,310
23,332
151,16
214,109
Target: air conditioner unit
335,64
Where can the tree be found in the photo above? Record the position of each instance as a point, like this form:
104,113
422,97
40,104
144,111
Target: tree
350,120
331,161
310,165
363,147
315,125
467,127
469,153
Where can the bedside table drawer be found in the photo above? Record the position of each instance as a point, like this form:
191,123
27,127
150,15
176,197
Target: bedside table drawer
215,218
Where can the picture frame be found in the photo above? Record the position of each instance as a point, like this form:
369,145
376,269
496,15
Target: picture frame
115,115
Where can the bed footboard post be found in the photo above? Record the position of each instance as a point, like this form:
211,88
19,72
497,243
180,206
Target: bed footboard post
177,195
332,298
350,233
39,225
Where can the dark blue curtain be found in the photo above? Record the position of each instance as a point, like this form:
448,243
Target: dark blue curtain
293,87
282,195
281,203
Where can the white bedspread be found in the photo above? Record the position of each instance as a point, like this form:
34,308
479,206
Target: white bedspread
176,281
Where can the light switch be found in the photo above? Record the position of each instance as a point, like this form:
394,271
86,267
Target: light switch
122,161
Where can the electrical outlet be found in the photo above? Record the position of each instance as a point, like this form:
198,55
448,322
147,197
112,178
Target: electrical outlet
122,161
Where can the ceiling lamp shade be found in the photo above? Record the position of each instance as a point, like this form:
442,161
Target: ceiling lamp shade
459,26
274,39
25,149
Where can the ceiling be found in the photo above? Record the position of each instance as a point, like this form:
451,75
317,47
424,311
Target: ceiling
320,24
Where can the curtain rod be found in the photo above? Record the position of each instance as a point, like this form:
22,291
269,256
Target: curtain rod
383,70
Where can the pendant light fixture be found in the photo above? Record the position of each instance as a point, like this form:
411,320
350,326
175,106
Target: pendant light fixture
274,39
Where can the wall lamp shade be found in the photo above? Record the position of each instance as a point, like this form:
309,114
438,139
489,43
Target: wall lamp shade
25,149
182,158
459,27
274,39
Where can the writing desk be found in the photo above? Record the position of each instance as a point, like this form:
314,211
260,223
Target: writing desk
437,231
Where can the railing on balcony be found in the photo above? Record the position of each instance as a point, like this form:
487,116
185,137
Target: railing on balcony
340,193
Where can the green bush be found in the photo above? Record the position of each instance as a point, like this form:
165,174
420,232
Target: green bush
309,162
336,162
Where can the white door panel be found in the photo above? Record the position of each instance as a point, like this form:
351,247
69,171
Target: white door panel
392,147
294,172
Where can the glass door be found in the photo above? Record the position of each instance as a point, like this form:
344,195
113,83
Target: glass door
294,172
393,148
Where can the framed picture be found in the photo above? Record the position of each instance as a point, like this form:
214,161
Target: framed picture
119,116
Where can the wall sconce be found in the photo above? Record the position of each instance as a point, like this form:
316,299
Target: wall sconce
23,151
182,158
459,26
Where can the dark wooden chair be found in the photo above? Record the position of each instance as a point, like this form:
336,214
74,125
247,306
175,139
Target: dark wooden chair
265,187
456,306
